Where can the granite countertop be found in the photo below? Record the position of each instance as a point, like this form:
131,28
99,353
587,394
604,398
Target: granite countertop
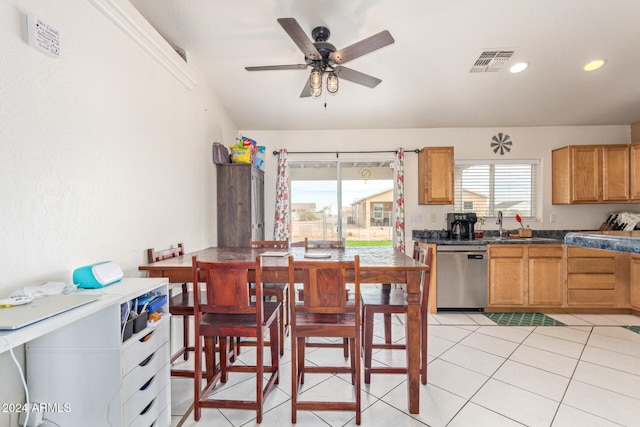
491,237
493,241
618,241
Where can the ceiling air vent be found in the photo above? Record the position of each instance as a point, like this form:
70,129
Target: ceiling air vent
491,61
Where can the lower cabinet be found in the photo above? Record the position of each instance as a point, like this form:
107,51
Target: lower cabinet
635,282
526,275
538,276
597,278
546,275
507,275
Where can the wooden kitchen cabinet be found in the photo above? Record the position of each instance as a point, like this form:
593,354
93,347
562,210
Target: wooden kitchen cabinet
433,277
240,204
615,173
435,176
507,275
634,293
634,172
590,174
597,278
576,174
546,275
526,275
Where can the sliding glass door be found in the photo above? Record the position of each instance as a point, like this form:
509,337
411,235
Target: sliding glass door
334,200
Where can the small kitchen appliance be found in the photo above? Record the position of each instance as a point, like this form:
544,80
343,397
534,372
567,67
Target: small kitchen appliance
461,225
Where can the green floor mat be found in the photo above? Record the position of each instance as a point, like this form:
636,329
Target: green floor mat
523,319
635,329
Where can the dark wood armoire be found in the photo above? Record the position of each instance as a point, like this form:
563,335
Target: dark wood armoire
240,204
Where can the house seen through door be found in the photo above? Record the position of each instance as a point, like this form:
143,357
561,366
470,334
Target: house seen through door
332,200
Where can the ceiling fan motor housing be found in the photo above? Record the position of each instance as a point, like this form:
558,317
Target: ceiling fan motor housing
325,49
320,34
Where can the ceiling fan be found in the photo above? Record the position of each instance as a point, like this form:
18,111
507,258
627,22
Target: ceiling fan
323,58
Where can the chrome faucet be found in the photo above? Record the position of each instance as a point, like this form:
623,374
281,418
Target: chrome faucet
499,222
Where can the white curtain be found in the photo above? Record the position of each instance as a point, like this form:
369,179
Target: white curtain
282,226
398,206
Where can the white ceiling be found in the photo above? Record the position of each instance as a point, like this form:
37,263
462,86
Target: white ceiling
425,74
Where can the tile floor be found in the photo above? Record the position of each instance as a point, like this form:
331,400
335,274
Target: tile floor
480,374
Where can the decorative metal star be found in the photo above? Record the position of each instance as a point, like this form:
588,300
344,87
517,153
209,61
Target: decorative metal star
501,142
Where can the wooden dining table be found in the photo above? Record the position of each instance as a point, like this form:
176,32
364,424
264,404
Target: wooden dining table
378,264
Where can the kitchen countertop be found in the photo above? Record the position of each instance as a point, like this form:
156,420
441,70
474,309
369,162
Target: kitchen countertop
618,241
493,241
491,237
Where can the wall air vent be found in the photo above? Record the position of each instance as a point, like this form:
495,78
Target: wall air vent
491,61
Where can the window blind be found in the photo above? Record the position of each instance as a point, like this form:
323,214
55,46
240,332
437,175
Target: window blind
486,187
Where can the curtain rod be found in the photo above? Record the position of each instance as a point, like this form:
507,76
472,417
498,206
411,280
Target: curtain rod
275,153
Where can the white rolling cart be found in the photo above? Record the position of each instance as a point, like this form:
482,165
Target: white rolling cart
86,375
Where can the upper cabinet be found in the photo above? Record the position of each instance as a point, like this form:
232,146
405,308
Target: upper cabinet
435,176
591,174
634,153
615,173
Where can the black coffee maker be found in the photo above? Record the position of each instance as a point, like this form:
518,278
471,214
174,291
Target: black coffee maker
461,225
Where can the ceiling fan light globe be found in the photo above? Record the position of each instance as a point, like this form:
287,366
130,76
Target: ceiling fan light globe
332,83
316,80
316,92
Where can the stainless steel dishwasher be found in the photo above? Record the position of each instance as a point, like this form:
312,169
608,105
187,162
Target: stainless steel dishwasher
462,277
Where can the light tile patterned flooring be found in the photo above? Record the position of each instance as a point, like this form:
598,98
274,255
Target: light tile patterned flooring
479,374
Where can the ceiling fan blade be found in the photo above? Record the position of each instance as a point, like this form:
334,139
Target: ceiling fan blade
356,50
356,76
306,90
277,67
300,38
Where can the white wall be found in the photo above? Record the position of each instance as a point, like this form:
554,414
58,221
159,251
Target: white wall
469,143
103,153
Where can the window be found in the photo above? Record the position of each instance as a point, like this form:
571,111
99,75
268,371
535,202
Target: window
486,187
377,210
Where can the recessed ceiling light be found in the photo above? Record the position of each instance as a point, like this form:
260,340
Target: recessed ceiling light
519,67
594,65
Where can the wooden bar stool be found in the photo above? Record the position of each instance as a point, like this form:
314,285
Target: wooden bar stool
325,312
228,311
386,286
277,290
309,247
392,301
180,304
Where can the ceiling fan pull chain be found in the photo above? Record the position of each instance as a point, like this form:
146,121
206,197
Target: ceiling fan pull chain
325,100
